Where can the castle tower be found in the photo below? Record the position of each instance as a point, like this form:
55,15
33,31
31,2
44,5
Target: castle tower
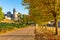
15,17
14,13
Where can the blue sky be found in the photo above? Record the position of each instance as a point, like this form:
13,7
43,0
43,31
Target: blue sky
8,5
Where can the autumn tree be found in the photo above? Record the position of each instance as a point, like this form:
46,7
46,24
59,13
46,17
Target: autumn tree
43,10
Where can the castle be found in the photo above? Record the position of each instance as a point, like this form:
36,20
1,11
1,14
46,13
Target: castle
13,16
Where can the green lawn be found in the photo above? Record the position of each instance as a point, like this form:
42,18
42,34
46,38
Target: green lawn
10,26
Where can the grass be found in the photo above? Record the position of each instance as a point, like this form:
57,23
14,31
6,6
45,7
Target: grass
10,26
52,29
47,33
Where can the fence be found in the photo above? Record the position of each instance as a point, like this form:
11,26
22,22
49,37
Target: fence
52,29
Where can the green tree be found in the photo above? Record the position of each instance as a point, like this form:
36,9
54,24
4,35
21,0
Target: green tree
24,18
19,17
43,10
1,14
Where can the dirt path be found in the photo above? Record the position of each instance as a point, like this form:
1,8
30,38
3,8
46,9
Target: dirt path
22,34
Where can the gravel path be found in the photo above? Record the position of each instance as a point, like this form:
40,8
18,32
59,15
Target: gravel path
21,34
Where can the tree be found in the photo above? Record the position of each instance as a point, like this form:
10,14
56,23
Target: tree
24,18
1,14
43,10
19,17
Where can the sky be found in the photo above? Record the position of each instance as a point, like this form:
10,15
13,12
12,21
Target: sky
9,5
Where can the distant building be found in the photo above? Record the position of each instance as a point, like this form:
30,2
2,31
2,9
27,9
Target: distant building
13,16
8,15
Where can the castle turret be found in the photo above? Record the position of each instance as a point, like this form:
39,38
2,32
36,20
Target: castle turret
15,17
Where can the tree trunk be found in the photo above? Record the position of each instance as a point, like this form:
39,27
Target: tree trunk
56,26
56,22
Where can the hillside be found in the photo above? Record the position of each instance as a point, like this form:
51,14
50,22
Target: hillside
7,21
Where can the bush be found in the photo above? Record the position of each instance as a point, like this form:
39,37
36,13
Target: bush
9,26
